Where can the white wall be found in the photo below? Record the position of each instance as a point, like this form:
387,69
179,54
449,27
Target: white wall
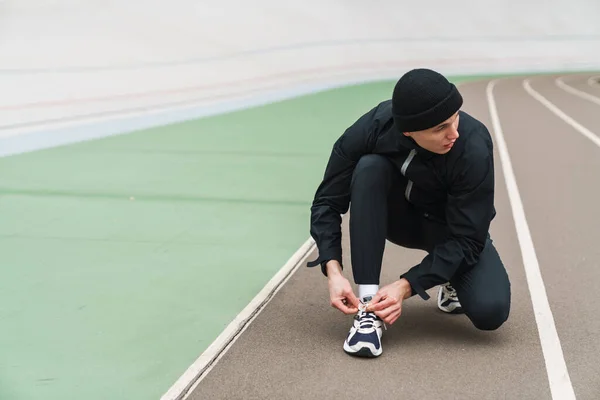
66,58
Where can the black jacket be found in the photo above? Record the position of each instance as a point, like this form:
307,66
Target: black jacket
456,188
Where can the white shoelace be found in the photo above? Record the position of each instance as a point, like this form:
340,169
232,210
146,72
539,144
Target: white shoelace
365,318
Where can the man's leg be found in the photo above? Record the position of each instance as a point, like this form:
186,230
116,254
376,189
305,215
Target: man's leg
371,183
484,290
379,211
375,184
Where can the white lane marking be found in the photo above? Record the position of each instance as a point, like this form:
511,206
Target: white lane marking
579,93
207,360
558,112
556,368
593,80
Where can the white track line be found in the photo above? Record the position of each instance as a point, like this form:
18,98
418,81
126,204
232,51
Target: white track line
202,366
558,112
556,368
579,93
593,80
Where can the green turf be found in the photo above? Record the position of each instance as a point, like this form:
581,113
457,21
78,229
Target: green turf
123,258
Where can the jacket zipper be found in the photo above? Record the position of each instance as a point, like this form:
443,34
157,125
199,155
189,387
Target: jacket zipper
410,157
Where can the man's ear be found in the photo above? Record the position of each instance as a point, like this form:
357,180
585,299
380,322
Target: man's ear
407,134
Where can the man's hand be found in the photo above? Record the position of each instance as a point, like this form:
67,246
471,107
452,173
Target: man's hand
340,292
387,302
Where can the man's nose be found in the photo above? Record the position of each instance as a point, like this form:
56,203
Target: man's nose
453,134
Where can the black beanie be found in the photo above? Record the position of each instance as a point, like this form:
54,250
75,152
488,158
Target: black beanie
423,99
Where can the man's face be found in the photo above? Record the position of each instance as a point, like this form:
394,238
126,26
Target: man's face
438,139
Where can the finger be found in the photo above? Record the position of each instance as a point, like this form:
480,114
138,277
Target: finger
340,306
353,299
351,306
394,317
390,317
389,310
386,313
376,298
344,308
382,305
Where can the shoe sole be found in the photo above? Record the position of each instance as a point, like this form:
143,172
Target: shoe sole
364,352
455,311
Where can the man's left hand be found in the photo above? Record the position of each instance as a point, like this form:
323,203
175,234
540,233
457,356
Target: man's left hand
387,302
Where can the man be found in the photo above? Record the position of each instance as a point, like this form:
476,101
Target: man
417,171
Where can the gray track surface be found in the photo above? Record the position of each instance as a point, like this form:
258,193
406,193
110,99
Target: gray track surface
293,350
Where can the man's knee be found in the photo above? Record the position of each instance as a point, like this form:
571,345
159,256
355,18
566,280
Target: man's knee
490,314
372,170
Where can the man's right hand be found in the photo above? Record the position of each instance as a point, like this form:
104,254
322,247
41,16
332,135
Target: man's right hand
340,291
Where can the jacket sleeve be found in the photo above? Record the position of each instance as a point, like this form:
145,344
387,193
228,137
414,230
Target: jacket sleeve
332,197
469,212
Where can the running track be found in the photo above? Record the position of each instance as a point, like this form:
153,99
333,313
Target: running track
547,141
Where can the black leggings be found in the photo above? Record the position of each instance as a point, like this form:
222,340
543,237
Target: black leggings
379,211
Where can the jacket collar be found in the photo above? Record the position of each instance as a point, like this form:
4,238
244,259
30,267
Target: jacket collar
408,142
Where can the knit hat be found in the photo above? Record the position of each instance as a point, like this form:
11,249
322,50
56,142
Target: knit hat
422,99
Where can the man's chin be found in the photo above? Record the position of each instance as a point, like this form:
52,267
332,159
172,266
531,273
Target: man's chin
443,150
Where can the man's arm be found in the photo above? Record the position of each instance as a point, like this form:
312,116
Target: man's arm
332,197
469,211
